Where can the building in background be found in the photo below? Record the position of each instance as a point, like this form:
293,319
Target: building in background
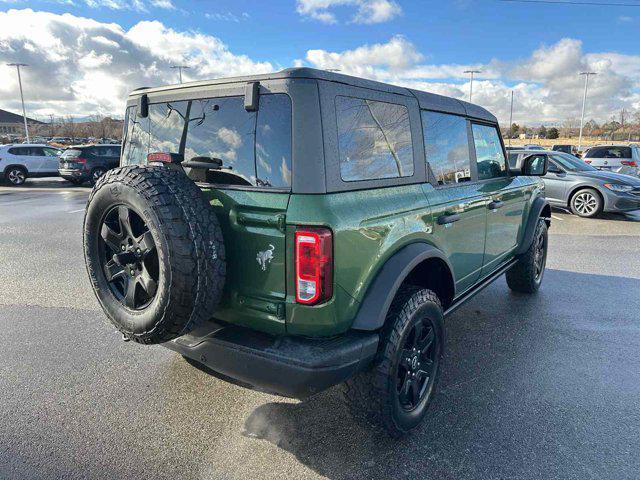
13,124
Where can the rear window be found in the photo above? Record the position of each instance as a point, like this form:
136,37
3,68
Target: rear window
71,153
609,152
255,147
374,139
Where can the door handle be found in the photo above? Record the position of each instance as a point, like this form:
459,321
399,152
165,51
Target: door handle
496,204
448,218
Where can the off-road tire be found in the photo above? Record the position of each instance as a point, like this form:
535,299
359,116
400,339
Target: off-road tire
523,277
189,244
584,210
372,395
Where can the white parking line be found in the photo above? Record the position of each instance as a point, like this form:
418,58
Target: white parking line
557,218
76,211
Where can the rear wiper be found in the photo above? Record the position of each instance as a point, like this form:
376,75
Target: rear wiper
206,163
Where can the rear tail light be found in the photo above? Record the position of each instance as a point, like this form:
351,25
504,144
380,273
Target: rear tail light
159,157
629,163
314,265
164,157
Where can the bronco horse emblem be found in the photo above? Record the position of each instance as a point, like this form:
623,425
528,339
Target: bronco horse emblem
264,258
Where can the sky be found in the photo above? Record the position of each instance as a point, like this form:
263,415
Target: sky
85,56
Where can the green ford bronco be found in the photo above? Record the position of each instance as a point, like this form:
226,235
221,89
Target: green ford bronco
302,229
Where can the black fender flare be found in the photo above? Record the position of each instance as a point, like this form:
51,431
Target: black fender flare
535,212
375,305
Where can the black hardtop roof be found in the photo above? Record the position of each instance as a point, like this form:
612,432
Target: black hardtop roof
430,101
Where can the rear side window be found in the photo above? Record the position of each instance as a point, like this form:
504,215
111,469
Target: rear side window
20,151
374,139
255,147
489,154
446,147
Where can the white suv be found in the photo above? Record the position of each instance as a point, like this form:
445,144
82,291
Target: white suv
19,161
615,158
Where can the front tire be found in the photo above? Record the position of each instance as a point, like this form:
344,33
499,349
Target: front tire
526,275
396,392
586,203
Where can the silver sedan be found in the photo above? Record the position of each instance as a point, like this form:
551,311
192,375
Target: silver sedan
585,190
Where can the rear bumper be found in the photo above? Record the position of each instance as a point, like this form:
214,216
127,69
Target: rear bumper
288,366
69,174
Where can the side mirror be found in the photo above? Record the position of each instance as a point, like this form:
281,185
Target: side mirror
535,166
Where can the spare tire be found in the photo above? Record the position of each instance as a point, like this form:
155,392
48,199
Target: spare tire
154,252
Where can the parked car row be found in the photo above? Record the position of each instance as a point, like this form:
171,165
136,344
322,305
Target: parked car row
78,164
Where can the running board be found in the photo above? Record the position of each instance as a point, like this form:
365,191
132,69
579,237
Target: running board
469,294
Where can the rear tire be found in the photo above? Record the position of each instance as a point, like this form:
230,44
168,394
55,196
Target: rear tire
526,275
154,252
586,203
396,392
15,176
96,173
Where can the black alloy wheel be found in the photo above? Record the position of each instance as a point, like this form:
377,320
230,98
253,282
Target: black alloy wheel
540,254
129,257
418,364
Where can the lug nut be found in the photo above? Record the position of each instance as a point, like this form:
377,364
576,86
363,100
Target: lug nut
122,247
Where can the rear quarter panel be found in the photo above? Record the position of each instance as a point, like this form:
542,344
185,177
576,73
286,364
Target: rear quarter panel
368,227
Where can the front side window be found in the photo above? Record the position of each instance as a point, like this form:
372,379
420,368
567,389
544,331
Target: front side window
374,139
254,147
446,146
489,154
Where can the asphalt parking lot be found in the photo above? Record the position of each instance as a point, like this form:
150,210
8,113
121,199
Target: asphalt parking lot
534,387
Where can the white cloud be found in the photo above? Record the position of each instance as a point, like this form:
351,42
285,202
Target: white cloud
166,4
373,61
547,84
367,11
227,16
79,66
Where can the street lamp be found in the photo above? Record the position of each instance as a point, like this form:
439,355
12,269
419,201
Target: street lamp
471,72
511,118
584,102
24,114
180,68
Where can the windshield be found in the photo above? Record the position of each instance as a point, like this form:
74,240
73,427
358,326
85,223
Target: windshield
254,147
571,163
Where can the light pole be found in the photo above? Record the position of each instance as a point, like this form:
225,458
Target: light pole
471,72
584,102
180,67
511,118
24,113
